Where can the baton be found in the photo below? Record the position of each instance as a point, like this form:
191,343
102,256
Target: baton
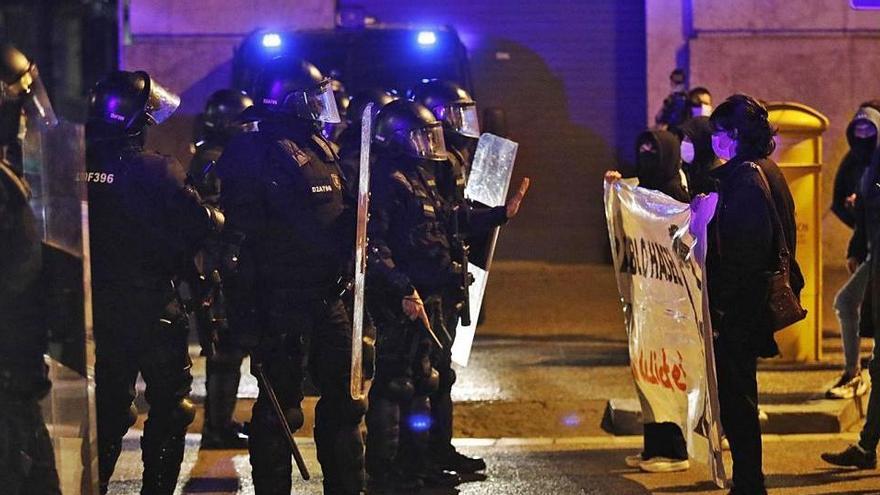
285,426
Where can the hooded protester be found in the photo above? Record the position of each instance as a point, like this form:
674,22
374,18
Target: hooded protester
658,163
697,157
863,454
861,134
658,167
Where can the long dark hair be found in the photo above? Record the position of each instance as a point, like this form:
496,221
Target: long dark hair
745,118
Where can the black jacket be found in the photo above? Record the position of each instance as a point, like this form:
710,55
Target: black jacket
852,167
740,252
408,229
144,222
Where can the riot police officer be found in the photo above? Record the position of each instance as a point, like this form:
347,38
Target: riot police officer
283,194
456,109
222,119
409,270
145,225
27,462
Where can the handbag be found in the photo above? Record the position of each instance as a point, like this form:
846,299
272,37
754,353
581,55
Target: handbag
783,305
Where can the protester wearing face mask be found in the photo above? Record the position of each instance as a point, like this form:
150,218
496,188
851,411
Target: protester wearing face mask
861,134
700,102
865,248
658,167
697,157
741,250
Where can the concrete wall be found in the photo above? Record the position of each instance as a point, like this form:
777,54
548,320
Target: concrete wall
818,52
188,47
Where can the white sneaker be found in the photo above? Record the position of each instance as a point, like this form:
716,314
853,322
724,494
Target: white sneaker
664,465
848,387
634,460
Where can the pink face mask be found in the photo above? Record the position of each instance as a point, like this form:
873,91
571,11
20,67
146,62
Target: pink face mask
723,146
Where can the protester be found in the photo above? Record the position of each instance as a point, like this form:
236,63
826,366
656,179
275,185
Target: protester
861,134
741,251
658,167
866,211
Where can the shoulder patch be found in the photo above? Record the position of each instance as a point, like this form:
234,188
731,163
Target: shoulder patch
289,147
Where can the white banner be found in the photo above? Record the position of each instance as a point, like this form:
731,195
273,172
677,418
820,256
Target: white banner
659,248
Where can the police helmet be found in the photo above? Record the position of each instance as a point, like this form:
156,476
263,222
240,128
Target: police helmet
130,101
295,87
408,128
450,103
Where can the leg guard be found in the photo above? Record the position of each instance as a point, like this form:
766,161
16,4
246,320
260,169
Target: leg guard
162,446
269,450
383,434
441,411
340,444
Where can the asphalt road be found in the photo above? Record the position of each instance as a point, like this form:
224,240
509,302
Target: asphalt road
575,466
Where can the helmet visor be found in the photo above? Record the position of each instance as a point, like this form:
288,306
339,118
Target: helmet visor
318,104
161,103
463,119
37,105
428,143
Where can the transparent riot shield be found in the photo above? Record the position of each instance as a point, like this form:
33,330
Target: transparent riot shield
487,184
54,163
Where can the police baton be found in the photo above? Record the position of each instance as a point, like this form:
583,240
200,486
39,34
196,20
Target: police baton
285,426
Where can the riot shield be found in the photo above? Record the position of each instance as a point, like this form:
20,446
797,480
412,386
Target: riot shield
360,256
487,184
54,162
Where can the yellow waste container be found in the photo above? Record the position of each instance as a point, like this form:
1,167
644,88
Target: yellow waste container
799,154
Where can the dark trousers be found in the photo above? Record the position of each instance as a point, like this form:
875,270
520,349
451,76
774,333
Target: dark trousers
870,435
326,326
27,462
738,397
445,322
398,420
141,331
664,440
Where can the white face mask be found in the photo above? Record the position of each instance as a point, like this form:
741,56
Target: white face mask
723,146
703,110
687,152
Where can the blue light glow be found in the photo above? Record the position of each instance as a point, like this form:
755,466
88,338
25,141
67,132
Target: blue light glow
427,38
419,422
571,420
271,40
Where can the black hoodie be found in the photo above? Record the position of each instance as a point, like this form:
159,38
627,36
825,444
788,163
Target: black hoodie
853,165
658,163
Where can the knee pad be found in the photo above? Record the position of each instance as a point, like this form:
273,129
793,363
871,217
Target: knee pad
428,384
182,414
132,416
401,388
369,357
265,414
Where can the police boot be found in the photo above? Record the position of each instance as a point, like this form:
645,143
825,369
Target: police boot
339,444
220,431
271,467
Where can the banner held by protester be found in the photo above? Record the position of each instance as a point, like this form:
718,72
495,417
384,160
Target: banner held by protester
658,247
